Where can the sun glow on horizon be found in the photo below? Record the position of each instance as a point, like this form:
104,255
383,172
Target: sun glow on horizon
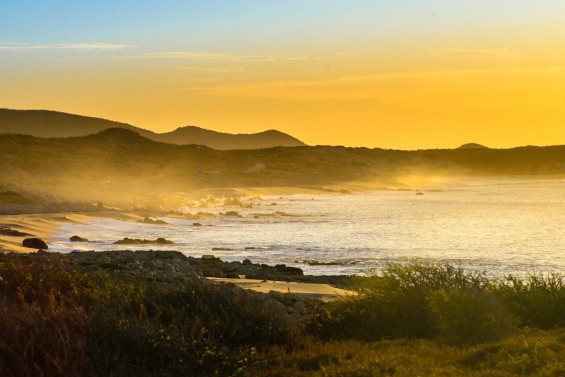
335,72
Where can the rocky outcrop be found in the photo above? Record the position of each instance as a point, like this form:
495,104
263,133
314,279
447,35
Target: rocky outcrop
211,266
138,241
78,239
35,243
164,267
174,261
6,231
175,268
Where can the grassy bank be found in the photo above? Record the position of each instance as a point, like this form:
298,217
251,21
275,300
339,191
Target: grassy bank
410,319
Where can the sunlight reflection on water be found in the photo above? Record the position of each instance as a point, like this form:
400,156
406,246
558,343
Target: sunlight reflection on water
497,226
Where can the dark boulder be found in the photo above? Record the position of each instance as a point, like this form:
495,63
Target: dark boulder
232,267
290,271
162,241
34,243
78,239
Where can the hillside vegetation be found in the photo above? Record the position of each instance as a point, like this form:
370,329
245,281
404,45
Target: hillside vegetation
118,164
62,318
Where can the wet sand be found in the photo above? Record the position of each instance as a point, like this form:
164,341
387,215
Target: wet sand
45,226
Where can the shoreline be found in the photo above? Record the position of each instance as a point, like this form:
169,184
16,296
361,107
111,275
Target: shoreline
45,226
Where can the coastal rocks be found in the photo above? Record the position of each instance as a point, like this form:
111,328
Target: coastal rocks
289,271
137,241
76,238
6,231
34,243
171,267
211,266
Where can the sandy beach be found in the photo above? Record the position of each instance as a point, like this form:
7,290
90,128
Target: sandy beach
324,292
45,226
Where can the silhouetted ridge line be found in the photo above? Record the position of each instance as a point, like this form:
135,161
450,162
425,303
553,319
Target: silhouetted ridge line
49,124
220,140
472,146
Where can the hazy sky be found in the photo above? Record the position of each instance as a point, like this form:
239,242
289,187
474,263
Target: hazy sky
391,74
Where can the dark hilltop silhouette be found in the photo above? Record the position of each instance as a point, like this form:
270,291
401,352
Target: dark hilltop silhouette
48,124
472,146
220,140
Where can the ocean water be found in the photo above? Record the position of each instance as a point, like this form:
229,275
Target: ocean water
497,226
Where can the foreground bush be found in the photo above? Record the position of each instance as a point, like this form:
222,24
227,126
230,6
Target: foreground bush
56,321
417,300
199,329
538,300
469,316
43,325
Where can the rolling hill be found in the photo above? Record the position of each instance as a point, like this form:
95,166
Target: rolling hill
53,124
118,165
219,140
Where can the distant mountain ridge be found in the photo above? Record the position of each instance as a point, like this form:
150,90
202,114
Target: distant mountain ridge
54,124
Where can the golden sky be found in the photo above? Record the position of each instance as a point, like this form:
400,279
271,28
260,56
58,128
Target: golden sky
356,73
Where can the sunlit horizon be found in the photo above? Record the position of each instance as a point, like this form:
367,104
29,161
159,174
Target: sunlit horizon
437,74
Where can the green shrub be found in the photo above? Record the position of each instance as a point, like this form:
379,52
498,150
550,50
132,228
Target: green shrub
397,303
470,316
538,301
198,329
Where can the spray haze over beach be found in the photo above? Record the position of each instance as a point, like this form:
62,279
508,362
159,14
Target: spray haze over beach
475,224
269,188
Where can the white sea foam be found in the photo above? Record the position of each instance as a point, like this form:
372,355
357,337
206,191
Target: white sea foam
497,226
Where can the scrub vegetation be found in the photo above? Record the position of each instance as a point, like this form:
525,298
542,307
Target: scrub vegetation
416,318
120,167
